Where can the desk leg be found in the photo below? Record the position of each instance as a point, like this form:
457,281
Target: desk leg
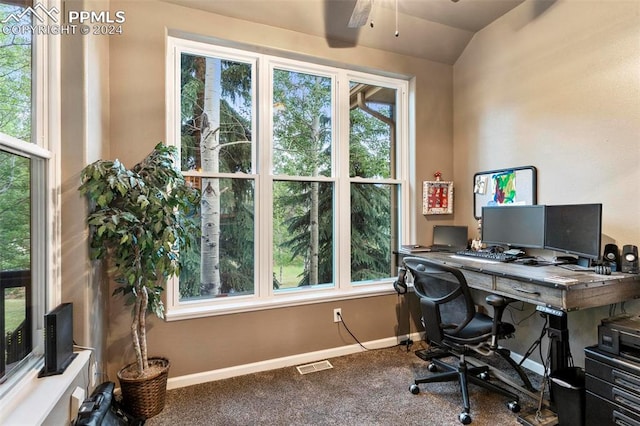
559,335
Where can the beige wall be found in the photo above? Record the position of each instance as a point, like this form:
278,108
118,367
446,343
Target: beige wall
137,123
556,85
85,138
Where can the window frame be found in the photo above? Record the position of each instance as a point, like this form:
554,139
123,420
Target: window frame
264,296
43,151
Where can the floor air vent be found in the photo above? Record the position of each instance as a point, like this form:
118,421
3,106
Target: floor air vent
313,367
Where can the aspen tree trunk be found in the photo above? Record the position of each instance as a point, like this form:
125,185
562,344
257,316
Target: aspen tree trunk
314,213
210,208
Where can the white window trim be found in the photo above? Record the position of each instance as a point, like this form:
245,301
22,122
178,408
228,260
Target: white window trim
264,297
49,137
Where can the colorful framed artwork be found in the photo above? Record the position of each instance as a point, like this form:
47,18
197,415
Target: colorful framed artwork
514,186
437,197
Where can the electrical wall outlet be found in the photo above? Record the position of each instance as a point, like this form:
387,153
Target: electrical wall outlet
337,315
93,373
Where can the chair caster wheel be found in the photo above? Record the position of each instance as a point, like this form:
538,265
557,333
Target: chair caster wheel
414,389
514,406
484,376
432,367
464,418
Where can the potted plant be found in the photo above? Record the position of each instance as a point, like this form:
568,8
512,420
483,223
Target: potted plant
138,222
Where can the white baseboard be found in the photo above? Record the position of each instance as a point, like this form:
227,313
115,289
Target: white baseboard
272,364
305,358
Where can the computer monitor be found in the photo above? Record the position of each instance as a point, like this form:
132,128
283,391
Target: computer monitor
515,225
574,229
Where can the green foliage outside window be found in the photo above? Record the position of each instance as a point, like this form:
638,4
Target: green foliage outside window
303,207
15,79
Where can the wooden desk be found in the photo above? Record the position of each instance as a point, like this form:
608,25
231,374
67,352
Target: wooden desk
549,286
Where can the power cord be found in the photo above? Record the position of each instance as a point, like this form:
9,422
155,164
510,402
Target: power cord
349,331
536,344
93,366
613,309
533,312
407,342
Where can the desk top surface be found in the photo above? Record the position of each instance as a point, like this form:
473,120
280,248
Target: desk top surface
553,276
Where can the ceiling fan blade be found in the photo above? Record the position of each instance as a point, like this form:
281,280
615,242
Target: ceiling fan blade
360,13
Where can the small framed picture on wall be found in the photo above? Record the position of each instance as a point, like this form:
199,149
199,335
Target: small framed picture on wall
437,197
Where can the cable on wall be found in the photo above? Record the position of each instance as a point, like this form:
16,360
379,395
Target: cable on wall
349,331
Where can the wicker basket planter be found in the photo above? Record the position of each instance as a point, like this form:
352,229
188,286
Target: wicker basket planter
144,397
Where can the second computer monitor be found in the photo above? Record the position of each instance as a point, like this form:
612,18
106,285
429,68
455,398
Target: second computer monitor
574,229
514,226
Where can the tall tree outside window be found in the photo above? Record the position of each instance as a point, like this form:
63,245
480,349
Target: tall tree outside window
372,147
303,208
216,143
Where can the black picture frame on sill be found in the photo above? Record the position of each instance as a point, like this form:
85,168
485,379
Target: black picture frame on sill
515,185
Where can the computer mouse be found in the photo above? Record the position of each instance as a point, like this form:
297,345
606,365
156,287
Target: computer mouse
530,262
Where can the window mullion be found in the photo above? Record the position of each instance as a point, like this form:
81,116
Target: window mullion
47,133
404,166
343,185
264,184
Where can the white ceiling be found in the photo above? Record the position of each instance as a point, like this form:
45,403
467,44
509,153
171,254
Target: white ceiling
437,30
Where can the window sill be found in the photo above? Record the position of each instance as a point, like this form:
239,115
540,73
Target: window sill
240,304
33,399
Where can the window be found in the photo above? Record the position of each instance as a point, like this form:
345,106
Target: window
25,204
303,191
302,168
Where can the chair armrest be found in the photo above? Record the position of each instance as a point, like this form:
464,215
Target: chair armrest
496,300
499,304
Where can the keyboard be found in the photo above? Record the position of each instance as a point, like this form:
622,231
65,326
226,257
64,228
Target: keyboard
573,267
482,254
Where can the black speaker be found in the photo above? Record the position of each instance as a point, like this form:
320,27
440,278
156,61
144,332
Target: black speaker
58,340
612,255
629,259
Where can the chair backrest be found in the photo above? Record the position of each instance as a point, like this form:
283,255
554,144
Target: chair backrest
445,299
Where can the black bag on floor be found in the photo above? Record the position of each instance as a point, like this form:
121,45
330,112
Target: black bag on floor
101,409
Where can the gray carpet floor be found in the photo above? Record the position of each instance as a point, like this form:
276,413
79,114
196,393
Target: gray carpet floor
367,388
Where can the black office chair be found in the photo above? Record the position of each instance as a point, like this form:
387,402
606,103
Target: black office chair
454,328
